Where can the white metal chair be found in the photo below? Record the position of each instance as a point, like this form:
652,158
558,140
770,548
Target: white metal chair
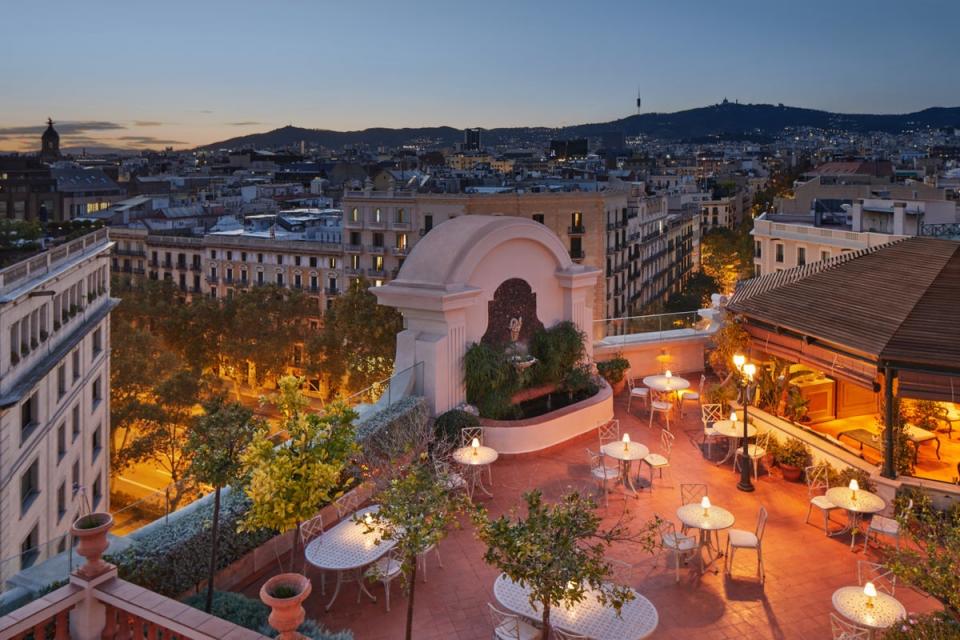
467,434
882,578
680,545
843,630
385,570
818,481
601,472
609,432
661,460
641,392
709,415
885,525
346,504
754,452
452,480
693,396
422,559
309,530
509,626
663,407
740,539
693,493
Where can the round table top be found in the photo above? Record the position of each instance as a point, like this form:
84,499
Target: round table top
852,605
732,429
865,501
633,451
663,383
716,518
638,618
347,546
484,455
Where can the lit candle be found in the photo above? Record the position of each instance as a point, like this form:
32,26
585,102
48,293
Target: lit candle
870,592
368,519
571,585
475,445
705,503
854,487
626,442
733,416
668,374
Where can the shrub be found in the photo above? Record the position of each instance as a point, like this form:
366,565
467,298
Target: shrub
175,558
490,380
312,630
558,350
580,380
793,453
235,607
931,626
721,394
448,425
843,477
395,429
614,369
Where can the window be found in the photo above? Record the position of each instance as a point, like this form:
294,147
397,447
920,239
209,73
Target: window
296,260
61,501
377,216
76,364
75,477
427,222
61,381
355,237
378,263
229,255
354,262
576,219
402,241
297,282
313,261
279,279
29,486
313,282
28,416
213,254
757,251
538,217
279,259
96,443
378,239
259,277
824,255
75,422
332,263
97,493
61,441
779,253
260,258
801,256
354,215
96,393
401,216
97,342
243,276
30,548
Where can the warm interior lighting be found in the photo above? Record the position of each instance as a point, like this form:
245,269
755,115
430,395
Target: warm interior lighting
749,370
739,360
668,374
871,592
705,503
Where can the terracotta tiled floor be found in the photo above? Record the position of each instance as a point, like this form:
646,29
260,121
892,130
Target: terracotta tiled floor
803,567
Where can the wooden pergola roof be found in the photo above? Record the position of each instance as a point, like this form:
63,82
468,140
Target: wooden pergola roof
897,303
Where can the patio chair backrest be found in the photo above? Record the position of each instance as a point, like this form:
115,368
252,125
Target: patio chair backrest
843,630
761,522
347,504
467,434
882,578
598,463
609,432
666,442
818,479
669,537
692,493
504,622
763,440
311,529
710,413
630,381
621,572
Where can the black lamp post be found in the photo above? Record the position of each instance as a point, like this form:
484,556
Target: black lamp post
745,380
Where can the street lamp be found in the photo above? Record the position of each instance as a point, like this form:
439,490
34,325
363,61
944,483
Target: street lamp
747,371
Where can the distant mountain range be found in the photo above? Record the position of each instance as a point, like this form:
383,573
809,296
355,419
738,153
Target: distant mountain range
726,121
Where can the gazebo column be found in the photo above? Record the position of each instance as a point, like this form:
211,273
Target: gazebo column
890,415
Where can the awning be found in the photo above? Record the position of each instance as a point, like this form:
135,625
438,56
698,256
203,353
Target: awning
928,386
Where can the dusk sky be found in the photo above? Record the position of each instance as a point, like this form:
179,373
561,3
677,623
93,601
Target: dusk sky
152,74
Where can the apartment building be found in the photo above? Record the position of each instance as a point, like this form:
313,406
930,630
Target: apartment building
719,213
54,396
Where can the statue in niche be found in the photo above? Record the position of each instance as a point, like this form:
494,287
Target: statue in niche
515,326
512,315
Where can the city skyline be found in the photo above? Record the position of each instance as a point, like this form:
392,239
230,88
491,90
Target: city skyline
190,75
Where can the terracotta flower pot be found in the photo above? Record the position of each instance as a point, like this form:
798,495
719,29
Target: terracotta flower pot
618,387
790,473
91,534
287,612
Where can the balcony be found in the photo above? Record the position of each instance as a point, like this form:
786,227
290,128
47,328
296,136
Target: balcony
577,254
213,279
196,266
376,249
400,226
353,248
400,252
332,291
377,273
353,271
137,253
376,224
352,224
576,230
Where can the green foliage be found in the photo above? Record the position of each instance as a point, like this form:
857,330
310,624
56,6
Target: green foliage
902,447
448,425
929,559
928,414
729,340
613,369
173,558
289,483
356,346
929,626
695,294
312,630
393,431
793,453
580,380
490,380
796,405
726,255
234,607
217,440
416,510
843,477
557,350
722,394
558,551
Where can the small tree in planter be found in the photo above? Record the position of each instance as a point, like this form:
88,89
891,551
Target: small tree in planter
792,457
216,442
559,551
613,371
289,483
416,510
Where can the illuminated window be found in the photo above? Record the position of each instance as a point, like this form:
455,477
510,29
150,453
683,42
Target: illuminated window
354,215
377,215
401,241
378,263
401,215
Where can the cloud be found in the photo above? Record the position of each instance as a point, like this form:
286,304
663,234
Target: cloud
146,123
64,128
149,140
244,123
199,111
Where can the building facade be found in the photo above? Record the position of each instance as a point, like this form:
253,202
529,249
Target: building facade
54,396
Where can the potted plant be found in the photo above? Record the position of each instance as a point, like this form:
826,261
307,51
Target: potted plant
91,534
796,406
613,371
792,457
284,594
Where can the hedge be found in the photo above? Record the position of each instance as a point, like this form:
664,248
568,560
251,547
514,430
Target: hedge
391,431
176,557
252,614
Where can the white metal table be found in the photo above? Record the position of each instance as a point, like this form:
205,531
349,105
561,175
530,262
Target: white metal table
734,431
672,385
855,503
626,453
638,618
853,604
476,459
694,516
347,548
